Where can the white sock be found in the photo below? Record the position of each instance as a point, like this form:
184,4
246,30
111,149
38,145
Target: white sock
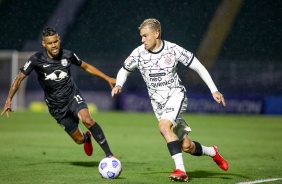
178,160
209,151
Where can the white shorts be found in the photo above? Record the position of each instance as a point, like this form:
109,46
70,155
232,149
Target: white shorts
172,110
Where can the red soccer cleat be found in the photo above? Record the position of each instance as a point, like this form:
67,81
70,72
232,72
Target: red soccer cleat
178,175
88,149
219,160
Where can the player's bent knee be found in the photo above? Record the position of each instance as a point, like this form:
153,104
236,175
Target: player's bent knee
77,137
188,148
164,127
88,122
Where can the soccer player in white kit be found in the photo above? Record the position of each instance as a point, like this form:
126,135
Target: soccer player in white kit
157,61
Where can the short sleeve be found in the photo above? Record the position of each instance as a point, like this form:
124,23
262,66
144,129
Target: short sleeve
28,67
131,62
184,56
75,60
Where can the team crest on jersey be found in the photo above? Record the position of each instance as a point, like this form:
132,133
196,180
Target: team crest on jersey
64,62
168,59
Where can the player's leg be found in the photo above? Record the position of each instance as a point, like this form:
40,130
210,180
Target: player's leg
79,108
70,125
69,122
173,145
95,130
196,149
167,116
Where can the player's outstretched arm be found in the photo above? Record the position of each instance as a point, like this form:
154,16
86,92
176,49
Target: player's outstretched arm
96,72
218,97
14,88
204,74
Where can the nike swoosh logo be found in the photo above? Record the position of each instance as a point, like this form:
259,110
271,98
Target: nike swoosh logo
44,66
103,141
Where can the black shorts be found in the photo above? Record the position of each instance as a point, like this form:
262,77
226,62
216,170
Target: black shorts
67,116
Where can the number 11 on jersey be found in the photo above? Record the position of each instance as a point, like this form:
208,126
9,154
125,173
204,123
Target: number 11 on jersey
78,99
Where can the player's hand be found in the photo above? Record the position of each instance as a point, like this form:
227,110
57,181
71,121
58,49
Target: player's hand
116,90
7,109
218,97
112,82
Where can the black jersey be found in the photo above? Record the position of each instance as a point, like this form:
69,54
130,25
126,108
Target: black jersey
54,76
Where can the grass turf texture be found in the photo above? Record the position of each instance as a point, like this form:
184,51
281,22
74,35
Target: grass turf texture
34,149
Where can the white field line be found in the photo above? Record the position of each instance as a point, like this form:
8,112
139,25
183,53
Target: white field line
260,181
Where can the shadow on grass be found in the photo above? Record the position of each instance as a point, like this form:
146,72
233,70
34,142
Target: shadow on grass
85,164
207,174
78,163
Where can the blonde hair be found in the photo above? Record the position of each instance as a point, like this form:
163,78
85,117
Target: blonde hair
151,23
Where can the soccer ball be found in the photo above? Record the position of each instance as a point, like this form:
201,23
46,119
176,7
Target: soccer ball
110,167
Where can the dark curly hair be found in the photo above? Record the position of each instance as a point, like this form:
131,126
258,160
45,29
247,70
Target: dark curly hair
49,31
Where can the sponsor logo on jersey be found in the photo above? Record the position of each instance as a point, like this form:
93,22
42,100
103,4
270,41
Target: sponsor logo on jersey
57,75
26,65
156,84
64,62
157,74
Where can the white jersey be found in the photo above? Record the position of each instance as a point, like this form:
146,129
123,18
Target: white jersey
159,69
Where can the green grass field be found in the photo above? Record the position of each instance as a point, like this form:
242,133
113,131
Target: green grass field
34,149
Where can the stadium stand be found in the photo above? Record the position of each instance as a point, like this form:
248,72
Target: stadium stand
22,21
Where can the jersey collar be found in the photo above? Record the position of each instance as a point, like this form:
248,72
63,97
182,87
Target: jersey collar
162,47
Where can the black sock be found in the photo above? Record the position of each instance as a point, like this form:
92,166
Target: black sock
100,138
198,149
174,147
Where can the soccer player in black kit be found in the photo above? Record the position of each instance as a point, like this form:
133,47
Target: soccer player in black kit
64,101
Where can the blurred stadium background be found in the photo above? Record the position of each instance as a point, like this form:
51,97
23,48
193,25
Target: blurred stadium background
238,41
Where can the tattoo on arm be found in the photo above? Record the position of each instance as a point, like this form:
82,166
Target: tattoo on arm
15,85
